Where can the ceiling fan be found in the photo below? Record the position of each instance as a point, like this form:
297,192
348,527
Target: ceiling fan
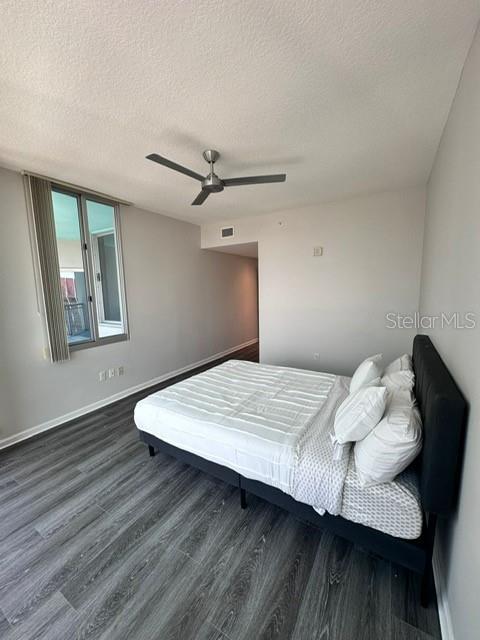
211,183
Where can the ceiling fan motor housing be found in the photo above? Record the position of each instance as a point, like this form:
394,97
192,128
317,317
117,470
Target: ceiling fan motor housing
212,183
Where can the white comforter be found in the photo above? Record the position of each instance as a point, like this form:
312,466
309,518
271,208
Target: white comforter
268,423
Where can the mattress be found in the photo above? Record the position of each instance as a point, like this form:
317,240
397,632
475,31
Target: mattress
242,415
250,417
391,507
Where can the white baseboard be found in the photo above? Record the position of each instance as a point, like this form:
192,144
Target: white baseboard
444,615
45,426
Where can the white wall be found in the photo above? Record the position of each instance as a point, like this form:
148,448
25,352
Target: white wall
335,305
451,283
184,304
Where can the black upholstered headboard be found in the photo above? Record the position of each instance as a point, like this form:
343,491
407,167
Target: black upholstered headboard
443,409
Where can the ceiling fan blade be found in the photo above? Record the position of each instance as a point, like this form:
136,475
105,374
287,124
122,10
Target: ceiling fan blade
202,196
234,182
173,165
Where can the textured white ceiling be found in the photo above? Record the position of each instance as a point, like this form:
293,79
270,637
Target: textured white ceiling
346,96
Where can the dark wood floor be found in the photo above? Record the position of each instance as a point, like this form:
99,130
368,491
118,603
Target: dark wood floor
97,540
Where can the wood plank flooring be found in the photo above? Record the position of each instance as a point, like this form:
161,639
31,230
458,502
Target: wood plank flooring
100,541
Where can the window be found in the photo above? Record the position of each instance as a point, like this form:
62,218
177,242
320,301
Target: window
91,274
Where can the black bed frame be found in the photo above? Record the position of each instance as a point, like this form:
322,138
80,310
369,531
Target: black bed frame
443,411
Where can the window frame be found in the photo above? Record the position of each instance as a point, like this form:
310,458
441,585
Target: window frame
88,265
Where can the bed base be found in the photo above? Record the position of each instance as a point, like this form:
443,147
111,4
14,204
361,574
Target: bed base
415,555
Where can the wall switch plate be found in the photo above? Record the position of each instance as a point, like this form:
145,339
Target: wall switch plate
317,252
102,376
111,373
120,371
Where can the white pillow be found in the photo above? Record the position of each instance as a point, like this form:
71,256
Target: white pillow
404,363
399,380
392,445
366,372
359,413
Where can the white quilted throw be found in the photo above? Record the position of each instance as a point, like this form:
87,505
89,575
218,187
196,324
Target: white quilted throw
318,478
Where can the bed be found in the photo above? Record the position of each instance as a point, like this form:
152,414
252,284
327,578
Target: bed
267,430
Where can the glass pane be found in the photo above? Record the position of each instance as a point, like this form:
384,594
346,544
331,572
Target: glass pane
101,226
72,270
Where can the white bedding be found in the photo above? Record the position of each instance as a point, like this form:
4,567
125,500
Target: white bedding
391,507
240,414
266,423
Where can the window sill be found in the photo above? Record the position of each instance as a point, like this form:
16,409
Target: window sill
98,343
